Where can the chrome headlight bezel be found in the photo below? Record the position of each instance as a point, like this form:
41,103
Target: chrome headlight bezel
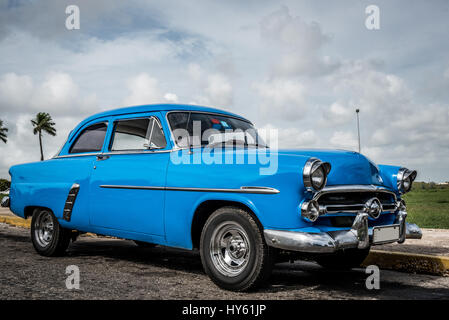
405,176
311,167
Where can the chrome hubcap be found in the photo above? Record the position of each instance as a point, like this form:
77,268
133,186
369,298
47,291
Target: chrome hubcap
43,229
230,249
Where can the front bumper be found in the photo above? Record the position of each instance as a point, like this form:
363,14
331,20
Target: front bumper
359,236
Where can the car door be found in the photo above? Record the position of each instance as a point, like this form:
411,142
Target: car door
73,167
128,180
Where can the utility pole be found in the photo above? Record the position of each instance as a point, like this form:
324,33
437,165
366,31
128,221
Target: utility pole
358,126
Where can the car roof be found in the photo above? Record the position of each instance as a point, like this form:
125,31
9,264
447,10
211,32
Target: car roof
158,107
152,108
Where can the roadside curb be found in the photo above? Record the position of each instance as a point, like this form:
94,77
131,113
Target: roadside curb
408,262
26,223
17,222
400,261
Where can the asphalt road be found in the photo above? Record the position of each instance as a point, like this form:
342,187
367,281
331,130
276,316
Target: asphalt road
117,269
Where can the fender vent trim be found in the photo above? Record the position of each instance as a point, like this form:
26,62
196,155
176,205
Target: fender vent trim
70,202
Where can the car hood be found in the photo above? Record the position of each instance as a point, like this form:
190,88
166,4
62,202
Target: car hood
348,167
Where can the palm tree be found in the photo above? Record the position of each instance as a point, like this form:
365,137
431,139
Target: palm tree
3,131
43,122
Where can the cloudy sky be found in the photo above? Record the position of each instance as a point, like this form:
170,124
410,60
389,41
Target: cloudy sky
299,66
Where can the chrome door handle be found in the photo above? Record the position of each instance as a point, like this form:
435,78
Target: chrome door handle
102,157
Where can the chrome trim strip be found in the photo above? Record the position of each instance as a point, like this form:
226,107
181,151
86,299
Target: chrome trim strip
111,153
253,190
329,208
75,155
353,188
149,151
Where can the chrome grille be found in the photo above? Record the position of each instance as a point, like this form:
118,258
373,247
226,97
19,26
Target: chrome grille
352,199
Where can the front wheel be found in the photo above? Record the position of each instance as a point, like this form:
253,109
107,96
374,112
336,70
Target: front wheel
47,235
345,259
233,251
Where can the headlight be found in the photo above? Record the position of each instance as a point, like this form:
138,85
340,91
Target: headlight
315,174
405,179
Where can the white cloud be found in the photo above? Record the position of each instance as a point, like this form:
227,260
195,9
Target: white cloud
293,137
15,91
273,65
337,113
299,44
215,88
171,97
58,94
143,89
446,73
344,140
282,98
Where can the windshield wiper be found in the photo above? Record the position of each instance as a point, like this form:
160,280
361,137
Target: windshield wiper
229,141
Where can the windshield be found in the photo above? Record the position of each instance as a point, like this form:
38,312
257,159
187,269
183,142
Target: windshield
204,129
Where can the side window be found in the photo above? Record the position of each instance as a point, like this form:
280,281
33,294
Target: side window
137,134
90,139
179,126
157,137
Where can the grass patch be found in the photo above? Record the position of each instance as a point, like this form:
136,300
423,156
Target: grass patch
428,208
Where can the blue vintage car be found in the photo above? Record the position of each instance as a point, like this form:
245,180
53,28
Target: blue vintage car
201,178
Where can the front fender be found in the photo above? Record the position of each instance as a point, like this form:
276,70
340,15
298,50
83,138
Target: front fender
277,211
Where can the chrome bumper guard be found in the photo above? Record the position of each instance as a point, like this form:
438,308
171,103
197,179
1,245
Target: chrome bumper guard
359,236
5,202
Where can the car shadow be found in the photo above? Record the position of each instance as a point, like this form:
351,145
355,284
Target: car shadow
300,275
159,256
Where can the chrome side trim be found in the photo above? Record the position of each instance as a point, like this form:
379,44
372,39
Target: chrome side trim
75,155
110,153
149,151
253,190
108,186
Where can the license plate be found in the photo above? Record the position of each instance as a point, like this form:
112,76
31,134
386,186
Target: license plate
385,234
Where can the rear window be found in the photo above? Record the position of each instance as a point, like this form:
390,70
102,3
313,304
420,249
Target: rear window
90,139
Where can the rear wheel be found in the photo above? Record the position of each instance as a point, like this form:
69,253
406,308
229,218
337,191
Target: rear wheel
47,235
345,259
233,251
